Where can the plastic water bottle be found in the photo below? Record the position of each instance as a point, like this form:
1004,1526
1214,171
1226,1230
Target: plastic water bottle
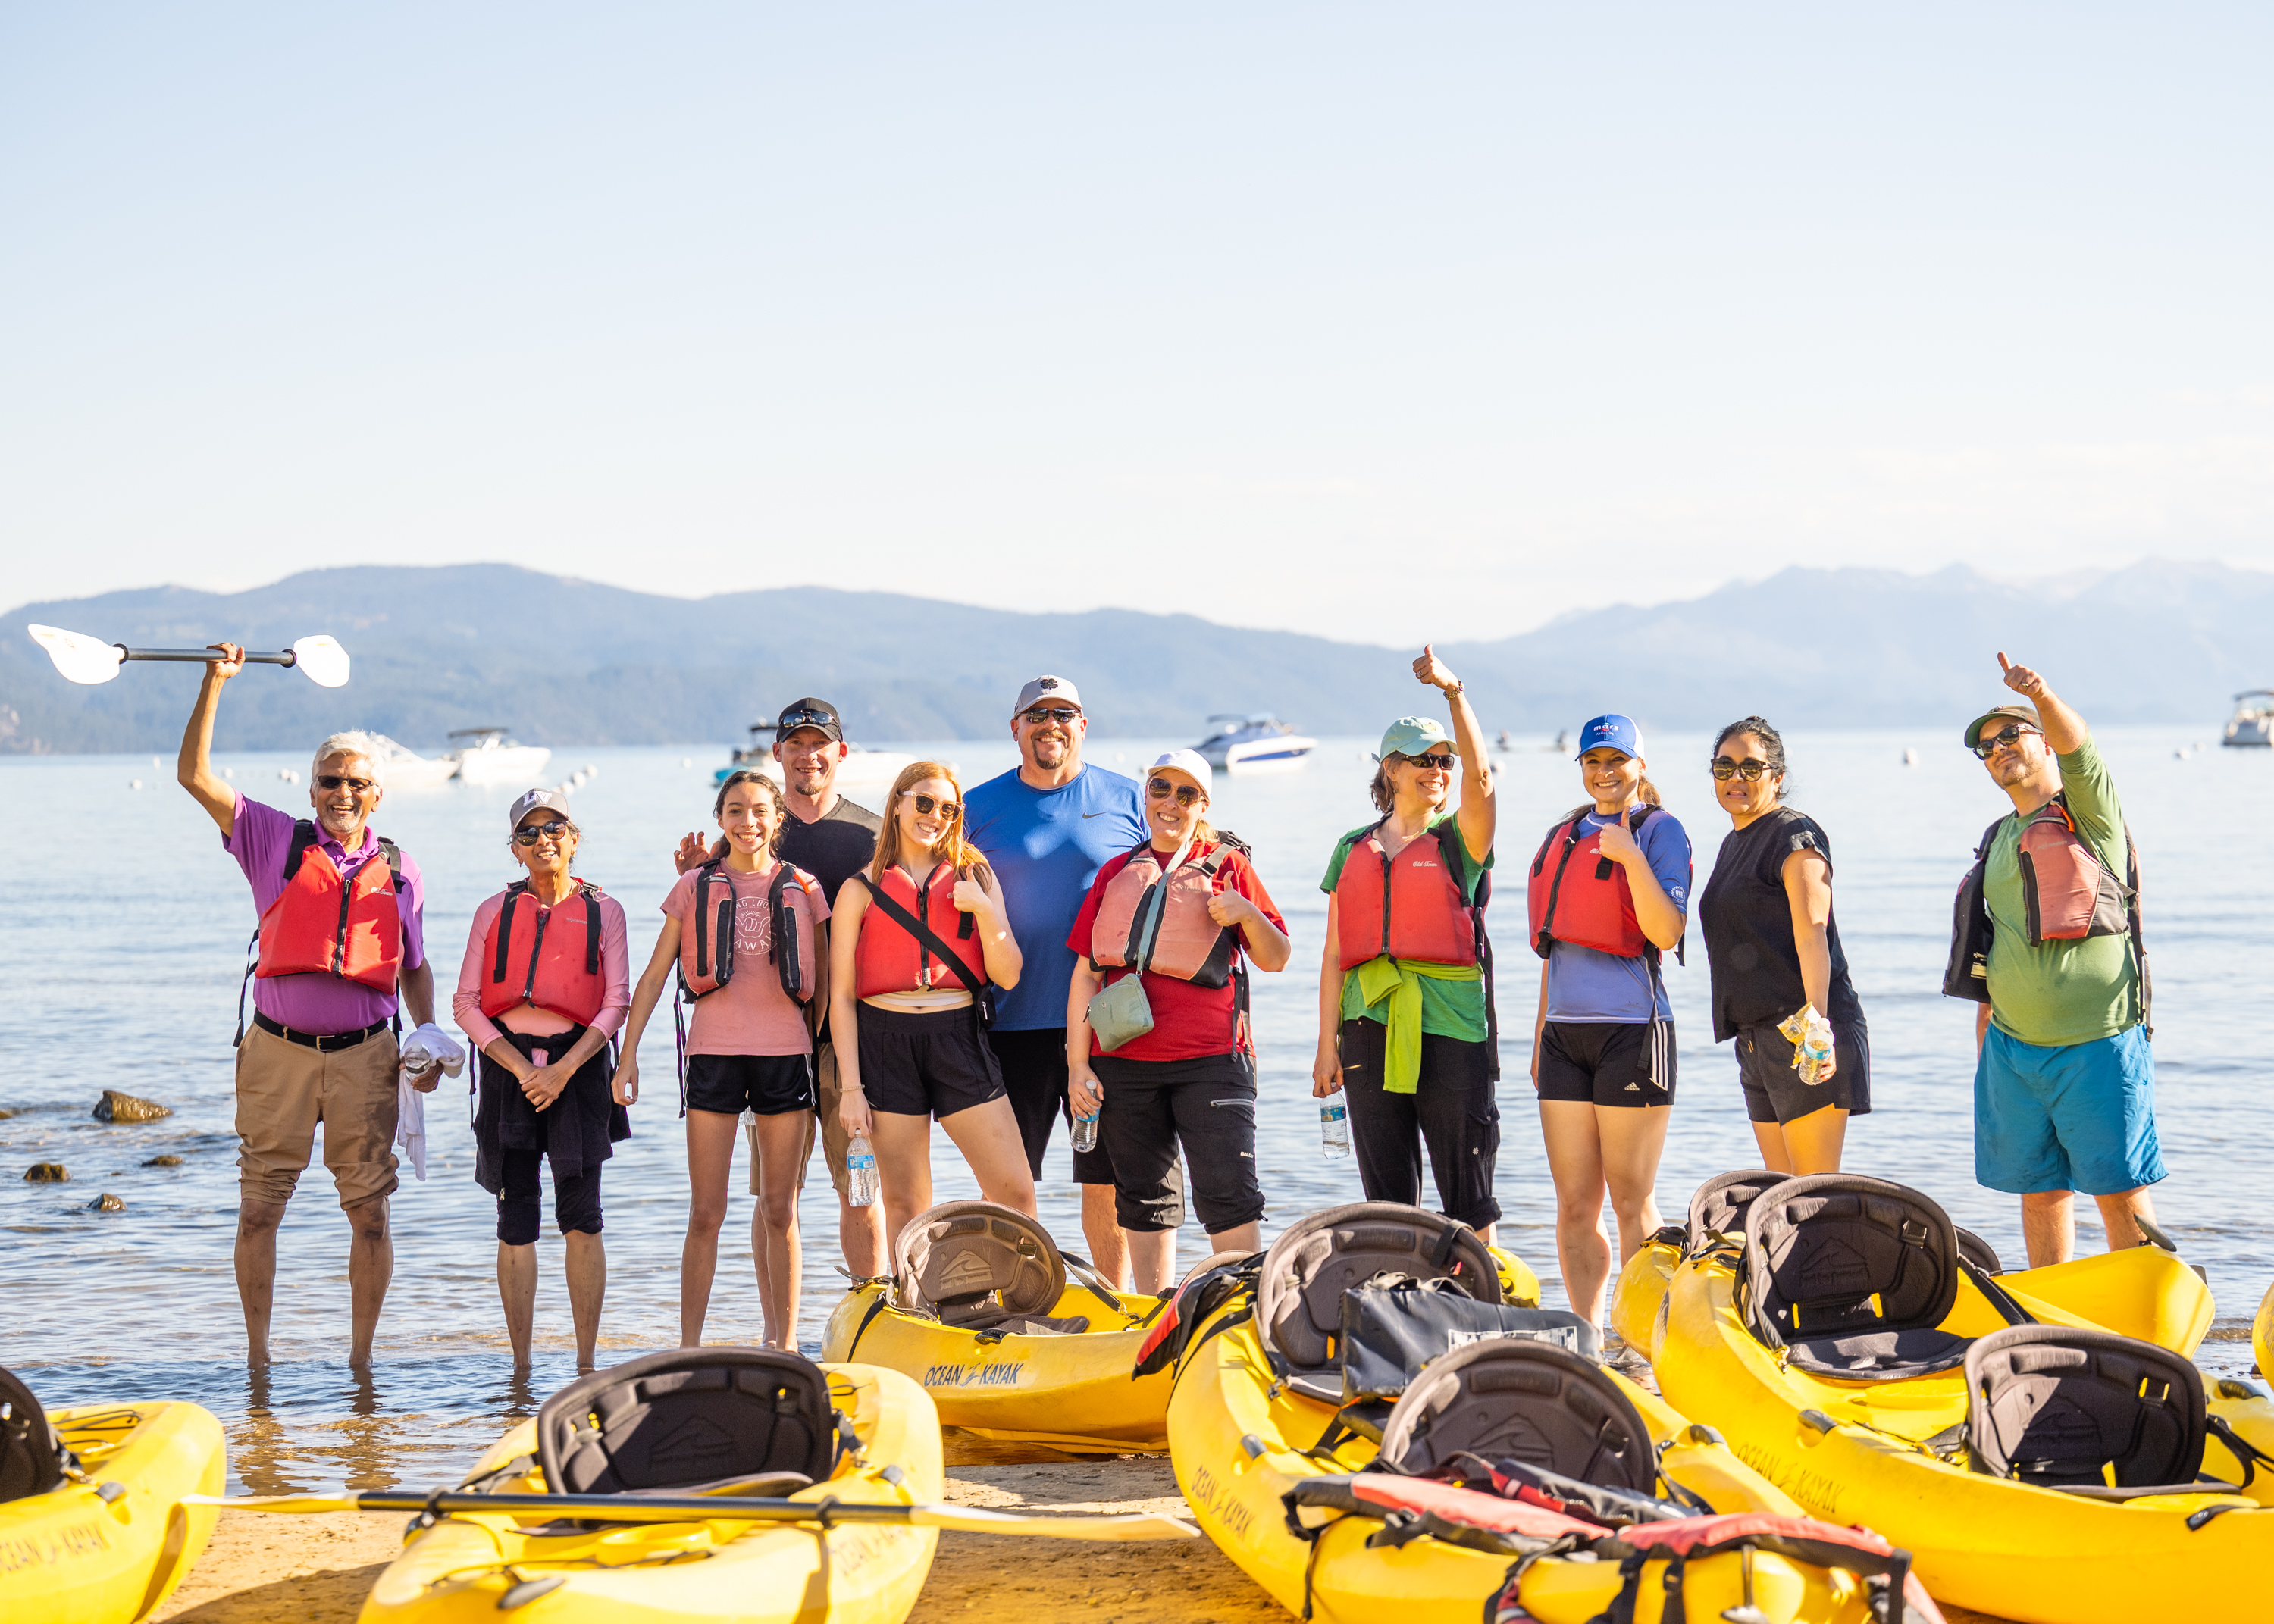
1085,1132
860,1172
1334,1128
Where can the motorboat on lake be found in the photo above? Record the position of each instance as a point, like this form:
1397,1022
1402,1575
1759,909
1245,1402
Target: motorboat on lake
1257,742
2252,725
406,769
490,757
865,768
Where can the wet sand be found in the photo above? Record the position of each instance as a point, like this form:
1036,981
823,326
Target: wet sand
317,1570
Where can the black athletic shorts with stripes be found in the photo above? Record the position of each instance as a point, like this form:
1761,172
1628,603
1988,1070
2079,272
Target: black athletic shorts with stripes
1607,1062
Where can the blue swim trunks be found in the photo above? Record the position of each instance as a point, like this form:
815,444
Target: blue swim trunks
2074,1116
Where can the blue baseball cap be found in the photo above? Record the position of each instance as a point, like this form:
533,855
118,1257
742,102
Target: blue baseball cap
1618,733
1414,735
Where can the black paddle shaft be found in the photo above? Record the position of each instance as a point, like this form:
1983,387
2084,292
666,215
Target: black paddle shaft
210,657
650,1507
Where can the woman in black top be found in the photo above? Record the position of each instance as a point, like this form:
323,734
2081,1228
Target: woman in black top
1774,951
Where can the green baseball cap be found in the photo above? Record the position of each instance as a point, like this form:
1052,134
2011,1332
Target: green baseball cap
1414,735
2011,713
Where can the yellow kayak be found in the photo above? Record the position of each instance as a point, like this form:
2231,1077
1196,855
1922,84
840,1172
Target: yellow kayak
1275,1469
2036,1472
109,1545
711,1420
2262,1335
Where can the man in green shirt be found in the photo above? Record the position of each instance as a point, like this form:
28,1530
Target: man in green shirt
2064,1084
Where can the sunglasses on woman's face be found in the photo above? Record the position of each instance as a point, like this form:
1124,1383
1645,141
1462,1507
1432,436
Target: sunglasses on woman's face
1160,789
928,806
1752,771
530,834
1440,762
2008,735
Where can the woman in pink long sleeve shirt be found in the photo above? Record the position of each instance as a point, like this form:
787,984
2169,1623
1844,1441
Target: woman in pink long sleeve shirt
544,984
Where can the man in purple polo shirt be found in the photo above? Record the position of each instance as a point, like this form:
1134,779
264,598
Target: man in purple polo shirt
342,937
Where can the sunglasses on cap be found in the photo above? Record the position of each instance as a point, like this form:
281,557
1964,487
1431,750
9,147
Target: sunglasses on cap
1752,771
1063,715
551,829
2009,735
1160,789
928,806
333,780
795,719
1436,761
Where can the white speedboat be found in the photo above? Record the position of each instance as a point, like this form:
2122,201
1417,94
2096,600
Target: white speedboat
862,767
490,757
1256,743
2252,725
406,769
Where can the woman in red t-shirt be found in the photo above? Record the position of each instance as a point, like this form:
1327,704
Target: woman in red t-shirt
1190,1080
749,1043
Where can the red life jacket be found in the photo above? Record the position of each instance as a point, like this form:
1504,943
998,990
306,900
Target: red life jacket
1579,896
706,947
2067,893
1406,907
547,957
1188,944
323,923
888,957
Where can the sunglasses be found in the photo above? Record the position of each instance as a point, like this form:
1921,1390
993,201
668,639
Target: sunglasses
928,805
2010,734
1160,789
795,719
1437,761
1039,714
333,780
551,828
1752,771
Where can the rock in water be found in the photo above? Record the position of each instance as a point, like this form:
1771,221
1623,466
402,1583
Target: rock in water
46,1173
116,1107
163,1162
106,1203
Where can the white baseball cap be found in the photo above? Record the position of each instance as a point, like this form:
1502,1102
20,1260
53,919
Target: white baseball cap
1191,764
1047,688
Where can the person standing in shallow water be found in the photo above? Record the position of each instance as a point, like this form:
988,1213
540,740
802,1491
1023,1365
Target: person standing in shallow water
1775,952
343,946
543,986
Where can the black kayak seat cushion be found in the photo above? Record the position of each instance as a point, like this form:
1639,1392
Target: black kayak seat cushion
2065,1408
1392,1327
1298,1292
965,1260
680,1420
1720,1205
1980,1252
31,1454
1853,1276
1526,1400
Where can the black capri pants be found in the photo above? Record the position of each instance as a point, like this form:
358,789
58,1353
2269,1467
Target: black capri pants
1206,1105
575,1199
1453,1112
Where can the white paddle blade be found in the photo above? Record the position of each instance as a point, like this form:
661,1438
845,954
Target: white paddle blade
81,658
323,659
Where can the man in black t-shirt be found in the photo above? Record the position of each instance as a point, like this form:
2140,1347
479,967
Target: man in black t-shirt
832,838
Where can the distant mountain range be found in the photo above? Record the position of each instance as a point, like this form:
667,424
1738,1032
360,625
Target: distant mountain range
565,662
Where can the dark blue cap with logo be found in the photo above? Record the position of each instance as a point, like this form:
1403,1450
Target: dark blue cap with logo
1614,731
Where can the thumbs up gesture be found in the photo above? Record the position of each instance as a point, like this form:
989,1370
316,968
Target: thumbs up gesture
2021,679
1616,840
1432,670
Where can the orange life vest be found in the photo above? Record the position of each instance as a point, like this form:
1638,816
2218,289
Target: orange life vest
1406,907
547,957
1579,896
2067,893
323,923
706,946
888,958
1188,944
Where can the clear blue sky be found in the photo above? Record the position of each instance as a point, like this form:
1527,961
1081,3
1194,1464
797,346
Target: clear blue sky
1227,308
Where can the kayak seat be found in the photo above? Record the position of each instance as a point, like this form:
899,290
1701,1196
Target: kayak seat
1523,1400
1720,1206
1299,1291
685,1420
1852,1277
31,1456
1974,1250
2064,1408
976,1265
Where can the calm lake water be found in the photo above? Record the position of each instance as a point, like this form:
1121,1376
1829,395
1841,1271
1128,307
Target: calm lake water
121,933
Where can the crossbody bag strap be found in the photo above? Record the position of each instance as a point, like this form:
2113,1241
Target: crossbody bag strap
924,934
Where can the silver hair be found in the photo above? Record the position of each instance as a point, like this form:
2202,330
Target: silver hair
354,741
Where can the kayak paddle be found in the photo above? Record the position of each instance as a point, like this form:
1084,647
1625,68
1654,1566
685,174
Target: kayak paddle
82,658
717,1509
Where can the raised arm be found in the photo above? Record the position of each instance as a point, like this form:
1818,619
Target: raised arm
1479,811
194,768
2065,729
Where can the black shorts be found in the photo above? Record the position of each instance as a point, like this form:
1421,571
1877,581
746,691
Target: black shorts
520,1204
1607,1062
1453,1114
1033,1064
924,1066
766,1084
1773,1091
1206,1106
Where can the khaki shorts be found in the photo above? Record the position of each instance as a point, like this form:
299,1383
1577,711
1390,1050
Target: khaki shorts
833,1137
285,1089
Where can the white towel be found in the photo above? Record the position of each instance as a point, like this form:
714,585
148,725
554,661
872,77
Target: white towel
427,1047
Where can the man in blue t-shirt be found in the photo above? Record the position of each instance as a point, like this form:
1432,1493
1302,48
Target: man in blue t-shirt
1048,826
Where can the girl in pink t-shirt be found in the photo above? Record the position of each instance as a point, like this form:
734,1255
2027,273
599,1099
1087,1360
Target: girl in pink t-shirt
749,935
